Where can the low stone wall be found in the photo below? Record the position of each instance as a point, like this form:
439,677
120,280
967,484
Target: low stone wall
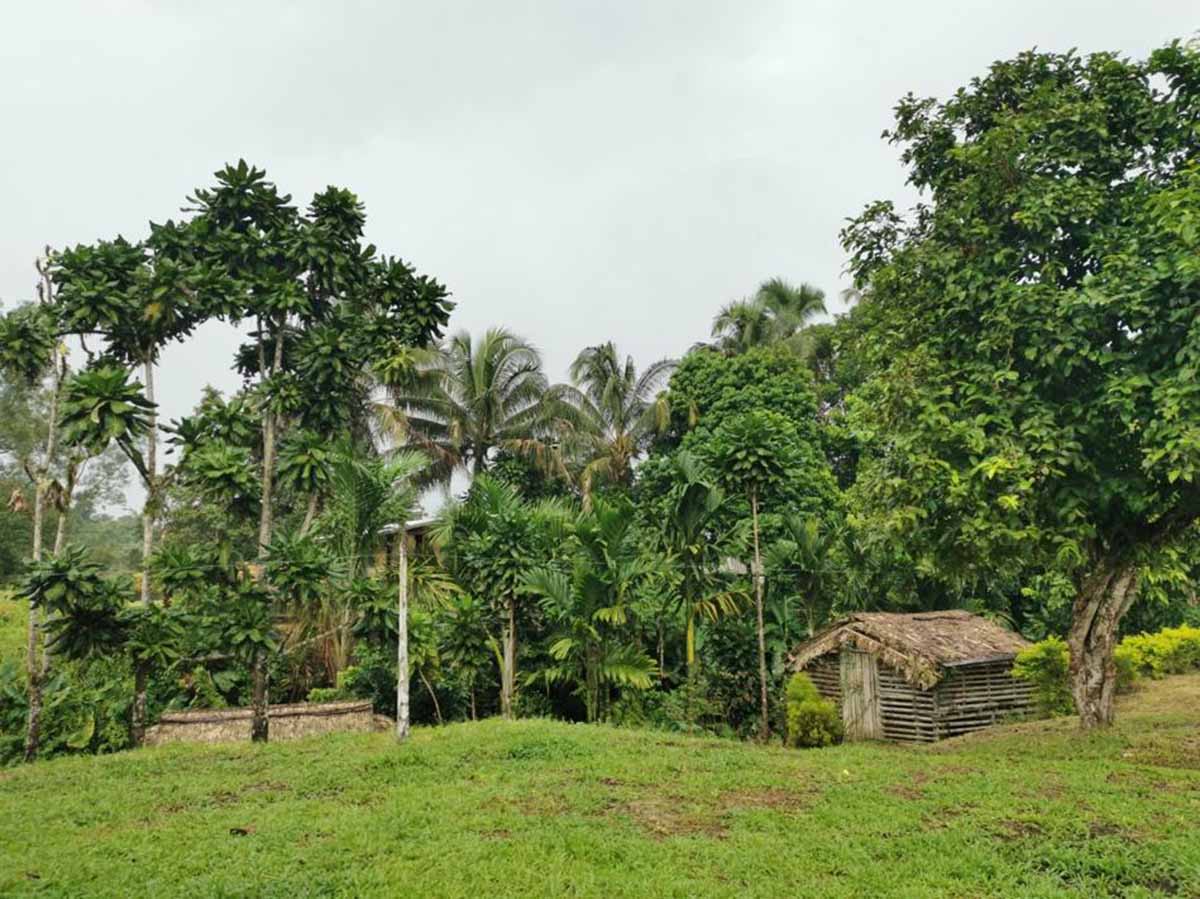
288,722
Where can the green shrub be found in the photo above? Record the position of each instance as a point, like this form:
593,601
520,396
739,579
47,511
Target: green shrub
811,720
1046,665
352,683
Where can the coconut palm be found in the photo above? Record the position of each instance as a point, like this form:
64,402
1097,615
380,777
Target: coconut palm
608,413
776,313
464,400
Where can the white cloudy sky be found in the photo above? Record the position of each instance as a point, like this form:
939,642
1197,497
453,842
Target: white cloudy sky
574,170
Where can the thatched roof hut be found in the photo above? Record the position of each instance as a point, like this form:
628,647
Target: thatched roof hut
921,676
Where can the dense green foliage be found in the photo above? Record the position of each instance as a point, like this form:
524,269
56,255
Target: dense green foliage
1034,404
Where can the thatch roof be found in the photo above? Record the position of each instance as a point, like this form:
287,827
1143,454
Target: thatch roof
920,646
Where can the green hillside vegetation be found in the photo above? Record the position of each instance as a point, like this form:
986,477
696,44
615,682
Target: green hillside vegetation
545,808
13,617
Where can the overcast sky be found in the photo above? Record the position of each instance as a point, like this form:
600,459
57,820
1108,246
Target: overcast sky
576,171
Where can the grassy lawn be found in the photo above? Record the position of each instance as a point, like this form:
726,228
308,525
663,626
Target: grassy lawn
545,808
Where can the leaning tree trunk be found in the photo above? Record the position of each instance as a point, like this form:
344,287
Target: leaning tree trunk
508,673
402,688
1099,606
764,710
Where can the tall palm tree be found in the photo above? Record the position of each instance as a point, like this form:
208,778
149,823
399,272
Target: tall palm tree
464,400
608,413
775,314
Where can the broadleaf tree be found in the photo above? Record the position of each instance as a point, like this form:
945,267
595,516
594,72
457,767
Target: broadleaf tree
1037,342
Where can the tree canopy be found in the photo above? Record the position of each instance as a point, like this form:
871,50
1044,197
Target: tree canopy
1038,333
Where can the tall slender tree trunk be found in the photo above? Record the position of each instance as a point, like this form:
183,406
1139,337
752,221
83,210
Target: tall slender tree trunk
691,641
1102,601
148,507
61,529
261,725
765,723
508,678
662,655
34,668
138,724
402,688
138,729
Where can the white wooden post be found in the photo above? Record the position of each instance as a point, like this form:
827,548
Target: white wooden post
402,641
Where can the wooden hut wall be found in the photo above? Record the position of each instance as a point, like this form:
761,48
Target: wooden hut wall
826,675
908,711
967,698
973,696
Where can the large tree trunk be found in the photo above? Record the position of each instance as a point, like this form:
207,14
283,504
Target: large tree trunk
509,669
764,708
402,688
1099,606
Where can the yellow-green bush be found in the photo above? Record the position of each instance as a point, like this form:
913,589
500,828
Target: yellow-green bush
811,719
1170,651
1046,665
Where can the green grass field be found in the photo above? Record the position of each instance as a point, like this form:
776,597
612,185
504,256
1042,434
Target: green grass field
539,808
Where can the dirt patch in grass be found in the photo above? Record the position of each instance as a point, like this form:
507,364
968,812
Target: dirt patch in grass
663,817
533,805
777,799
1011,830
1097,829
903,791
942,818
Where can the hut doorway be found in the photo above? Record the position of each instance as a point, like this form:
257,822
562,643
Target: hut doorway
860,695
